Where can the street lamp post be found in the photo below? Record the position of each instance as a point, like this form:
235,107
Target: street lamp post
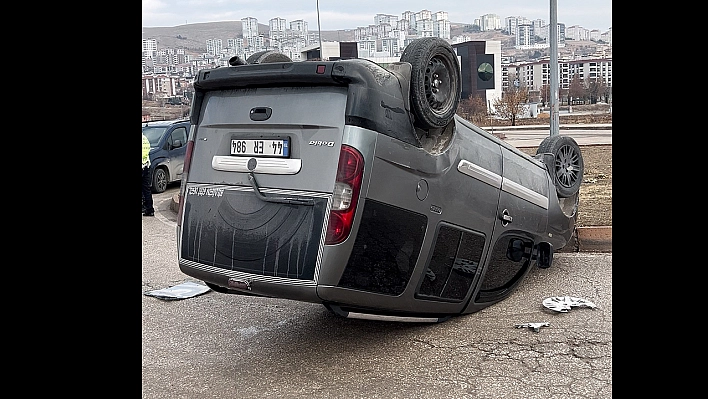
553,35
319,31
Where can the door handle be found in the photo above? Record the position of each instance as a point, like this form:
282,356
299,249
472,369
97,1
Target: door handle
505,217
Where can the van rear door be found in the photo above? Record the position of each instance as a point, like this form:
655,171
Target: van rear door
262,174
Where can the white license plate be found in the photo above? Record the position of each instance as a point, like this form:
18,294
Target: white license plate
261,148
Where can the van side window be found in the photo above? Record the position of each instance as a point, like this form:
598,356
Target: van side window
180,134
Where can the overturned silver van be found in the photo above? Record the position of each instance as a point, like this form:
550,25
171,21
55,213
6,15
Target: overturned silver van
358,187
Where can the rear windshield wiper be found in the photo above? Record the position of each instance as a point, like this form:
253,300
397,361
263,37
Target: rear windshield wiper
278,199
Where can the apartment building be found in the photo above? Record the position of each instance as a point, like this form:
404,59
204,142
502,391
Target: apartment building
249,28
536,75
157,86
380,19
512,24
214,46
149,48
277,28
489,22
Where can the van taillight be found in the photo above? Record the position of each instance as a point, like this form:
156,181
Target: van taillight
346,195
183,184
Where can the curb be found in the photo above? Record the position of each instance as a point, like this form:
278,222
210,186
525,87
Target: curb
595,239
585,239
576,126
174,205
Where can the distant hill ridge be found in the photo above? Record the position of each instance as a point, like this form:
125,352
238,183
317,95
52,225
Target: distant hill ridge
193,37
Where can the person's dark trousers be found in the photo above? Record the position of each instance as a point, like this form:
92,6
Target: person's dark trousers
147,191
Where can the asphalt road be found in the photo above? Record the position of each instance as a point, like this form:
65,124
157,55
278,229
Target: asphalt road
216,346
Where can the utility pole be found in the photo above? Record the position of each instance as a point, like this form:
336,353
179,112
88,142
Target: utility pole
319,31
553,37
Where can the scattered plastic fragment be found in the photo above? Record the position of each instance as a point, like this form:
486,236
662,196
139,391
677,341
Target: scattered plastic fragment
564,303
180,291
536,326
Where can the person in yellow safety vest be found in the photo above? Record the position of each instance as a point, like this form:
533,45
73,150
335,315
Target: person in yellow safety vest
148,209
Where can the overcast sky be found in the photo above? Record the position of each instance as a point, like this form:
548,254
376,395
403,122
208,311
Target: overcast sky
351,14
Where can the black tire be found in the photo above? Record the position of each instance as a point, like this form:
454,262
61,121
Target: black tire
435,81
568,167
159,180
264,57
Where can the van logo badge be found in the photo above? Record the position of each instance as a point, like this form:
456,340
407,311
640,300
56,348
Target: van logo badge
321,143
252,163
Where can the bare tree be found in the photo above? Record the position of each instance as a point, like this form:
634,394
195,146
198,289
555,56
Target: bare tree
595,89
511,104
473,109
576,90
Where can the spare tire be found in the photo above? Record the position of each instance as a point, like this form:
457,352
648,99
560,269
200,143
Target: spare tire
568,167
435,81
264,57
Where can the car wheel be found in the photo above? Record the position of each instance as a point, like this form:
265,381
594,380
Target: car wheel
435,81
567,169
264,57
159,180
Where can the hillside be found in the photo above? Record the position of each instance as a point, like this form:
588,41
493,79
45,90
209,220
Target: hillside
193,37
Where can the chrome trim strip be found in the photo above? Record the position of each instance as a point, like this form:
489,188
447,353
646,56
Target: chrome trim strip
197,186
380,317
263,165
524,193
494,180
247,276
479,173
323,237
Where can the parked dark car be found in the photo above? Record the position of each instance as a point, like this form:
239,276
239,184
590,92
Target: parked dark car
358,187
168,142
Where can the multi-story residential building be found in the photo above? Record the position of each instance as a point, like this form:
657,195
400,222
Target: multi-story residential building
512,24
538,24
544,34
441,25
424,28
214,46
366,48
311,37
489,22
410,17
461,38
149,48
536,75
257,43
159,86
299,27
576,32
380,19
277,28
422,15
249,29
525,36
403,25
149,52
391,46
607,37
235,45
